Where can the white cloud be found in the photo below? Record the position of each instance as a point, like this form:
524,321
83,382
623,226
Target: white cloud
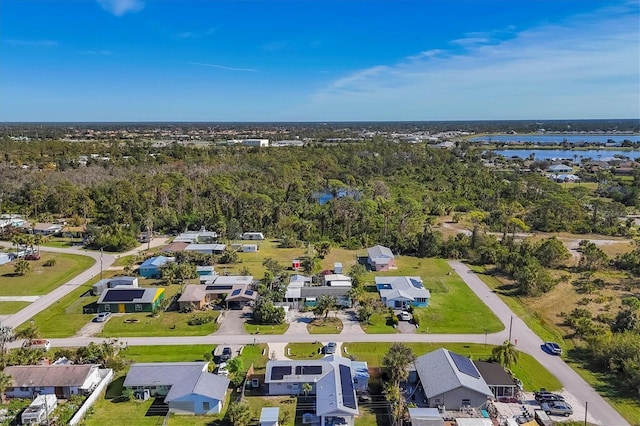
222,67
585,67
121,7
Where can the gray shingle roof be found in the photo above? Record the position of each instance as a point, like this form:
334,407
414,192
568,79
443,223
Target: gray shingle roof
380,254
439,374
49,375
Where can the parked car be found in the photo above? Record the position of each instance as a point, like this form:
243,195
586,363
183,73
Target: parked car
558,408
330,348
103,317
548,396
226,354
553,348
33,256
222,369
37,344
405,316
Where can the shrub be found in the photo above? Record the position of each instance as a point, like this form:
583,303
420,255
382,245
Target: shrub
50,262
200,319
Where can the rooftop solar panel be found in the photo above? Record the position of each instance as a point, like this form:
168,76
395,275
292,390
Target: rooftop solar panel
278,372
305,370
348,392
236,292
219,287
465,366
417,284
127,295
249,292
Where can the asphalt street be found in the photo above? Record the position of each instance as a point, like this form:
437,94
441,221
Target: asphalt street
526,340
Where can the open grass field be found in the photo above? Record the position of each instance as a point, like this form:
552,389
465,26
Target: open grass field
8,308
327,325
164,324
304,350
541,315
42,279
530,371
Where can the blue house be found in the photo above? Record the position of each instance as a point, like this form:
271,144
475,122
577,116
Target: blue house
401,292
151,267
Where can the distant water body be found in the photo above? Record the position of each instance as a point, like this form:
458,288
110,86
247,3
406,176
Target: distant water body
550,139
548,154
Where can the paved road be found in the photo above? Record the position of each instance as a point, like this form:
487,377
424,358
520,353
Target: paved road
529,342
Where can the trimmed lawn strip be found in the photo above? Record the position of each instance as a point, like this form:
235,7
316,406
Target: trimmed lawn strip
9,308
164,324
42,279
252,328
533,375
173,353
304,350
325,326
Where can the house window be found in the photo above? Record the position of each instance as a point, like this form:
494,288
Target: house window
107,308
205,406
138,307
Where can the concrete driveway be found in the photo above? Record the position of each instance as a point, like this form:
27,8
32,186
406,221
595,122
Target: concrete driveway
232,322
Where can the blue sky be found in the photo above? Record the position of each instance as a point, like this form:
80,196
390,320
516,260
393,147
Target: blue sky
306,60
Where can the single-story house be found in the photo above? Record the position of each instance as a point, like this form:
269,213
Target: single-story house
559,168
196,296
331,382
380,258
425,417
98,288
269,416
499,381
401,292
175,246
151,268
253,236
202,236
46,228
206,248
308,295
337,280
61,380
450,380
127,300
39,410
187,387
563,177
218,280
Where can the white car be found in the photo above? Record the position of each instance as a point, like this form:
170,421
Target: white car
103,317
405,316
222,369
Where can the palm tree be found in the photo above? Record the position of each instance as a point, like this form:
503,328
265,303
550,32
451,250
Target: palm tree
21,267
29,333
239,413
505,354
307,388
397,360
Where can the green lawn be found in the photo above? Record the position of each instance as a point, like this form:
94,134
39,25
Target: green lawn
173,353
256,355
9,308
379,323
287,404
304,351
42,279
325,326
164,324
530,371
252,328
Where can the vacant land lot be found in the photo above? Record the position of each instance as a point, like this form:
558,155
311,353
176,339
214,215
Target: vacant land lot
8,308
304,351
42,279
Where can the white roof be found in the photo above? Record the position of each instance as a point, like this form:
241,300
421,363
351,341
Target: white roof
232,279
407,288
269,416
474,422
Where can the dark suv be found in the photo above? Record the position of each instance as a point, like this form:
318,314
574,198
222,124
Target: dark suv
226,354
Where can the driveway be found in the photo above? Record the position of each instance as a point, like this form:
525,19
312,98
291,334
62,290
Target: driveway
232,322
350,323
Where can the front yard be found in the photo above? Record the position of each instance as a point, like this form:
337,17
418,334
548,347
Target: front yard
162,324
327,325
253,328
304,351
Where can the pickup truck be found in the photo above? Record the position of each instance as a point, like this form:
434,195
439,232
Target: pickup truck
43,344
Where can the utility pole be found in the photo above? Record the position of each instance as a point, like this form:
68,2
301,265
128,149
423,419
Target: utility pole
586,408
101,262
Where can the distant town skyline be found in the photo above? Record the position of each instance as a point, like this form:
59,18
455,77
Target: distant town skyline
307,60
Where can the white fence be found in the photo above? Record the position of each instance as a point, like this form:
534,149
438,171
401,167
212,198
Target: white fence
92,398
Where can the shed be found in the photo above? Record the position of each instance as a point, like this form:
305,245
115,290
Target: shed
425,417
337,268
249,248
269,416
473,422
295,264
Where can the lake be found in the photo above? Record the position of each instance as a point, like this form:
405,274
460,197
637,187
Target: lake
549,139
548,154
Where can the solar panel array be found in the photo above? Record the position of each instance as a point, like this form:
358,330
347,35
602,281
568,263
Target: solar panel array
417,284
278,372
464,365
236,292
249,292
123,295
304,370
348,391
219,287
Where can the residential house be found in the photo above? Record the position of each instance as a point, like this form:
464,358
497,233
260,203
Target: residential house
152,267
202,236
46,229
187,387
331,383
402,292
450,380
61,380
425,417
206,248
269,416
253,236
235,290
193,297
176,246
127,300
128,282
559,168
380,258
499,381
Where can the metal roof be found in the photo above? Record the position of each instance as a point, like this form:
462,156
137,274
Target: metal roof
49,375
130,295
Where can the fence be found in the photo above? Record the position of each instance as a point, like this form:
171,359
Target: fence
92,398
